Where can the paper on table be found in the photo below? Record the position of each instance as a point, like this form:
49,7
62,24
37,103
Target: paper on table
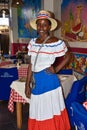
63,77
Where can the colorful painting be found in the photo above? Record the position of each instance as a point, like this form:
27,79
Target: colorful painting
78,63
74,20
25,13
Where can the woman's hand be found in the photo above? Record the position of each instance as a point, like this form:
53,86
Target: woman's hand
51,69
27,91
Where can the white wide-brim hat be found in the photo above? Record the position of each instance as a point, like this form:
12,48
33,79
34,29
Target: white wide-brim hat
44,15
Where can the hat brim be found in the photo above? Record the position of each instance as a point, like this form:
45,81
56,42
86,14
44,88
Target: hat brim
54,23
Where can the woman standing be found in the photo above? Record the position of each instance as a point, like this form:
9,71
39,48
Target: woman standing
47,109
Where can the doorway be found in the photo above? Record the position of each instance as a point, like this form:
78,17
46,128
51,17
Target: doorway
4,43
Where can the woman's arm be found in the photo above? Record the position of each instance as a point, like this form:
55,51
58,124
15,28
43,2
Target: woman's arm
58,67
28,79
63,62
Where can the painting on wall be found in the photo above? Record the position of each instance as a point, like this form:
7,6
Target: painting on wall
74,20
25,13
78,63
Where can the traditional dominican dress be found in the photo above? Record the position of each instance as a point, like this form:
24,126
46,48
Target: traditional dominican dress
47,109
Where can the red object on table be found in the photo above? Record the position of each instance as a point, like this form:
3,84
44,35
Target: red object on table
85,105
14,96
3,63
18,46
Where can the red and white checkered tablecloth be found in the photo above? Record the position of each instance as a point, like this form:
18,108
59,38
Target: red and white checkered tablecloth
22,71
14,96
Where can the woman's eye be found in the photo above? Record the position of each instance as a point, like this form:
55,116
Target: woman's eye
38,24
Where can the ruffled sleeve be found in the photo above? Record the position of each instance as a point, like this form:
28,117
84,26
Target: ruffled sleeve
30,46
60,49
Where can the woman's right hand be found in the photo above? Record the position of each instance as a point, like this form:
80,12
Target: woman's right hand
27,91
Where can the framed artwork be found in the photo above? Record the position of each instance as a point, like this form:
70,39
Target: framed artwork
26,13
78,75
74,20
78,61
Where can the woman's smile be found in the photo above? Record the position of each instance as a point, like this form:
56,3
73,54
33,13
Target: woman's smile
43,26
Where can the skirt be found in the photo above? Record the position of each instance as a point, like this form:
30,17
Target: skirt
47,109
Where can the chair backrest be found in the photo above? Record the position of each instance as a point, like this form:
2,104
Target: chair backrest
79,116
7,75
77,94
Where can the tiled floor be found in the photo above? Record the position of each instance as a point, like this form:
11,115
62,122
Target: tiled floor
8,120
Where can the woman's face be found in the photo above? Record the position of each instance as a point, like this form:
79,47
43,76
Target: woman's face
43,26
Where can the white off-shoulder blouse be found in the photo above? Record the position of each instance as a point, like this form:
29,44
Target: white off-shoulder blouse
46,55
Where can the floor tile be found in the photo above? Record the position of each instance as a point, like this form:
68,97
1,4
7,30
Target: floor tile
8,120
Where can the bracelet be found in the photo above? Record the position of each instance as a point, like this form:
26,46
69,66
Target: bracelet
26,84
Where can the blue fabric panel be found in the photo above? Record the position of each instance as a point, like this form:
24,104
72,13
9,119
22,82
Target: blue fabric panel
77,94
7,75
79,116
44,82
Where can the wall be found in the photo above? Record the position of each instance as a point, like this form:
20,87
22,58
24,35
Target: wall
14,29
51,5
14,26
79,49
54,6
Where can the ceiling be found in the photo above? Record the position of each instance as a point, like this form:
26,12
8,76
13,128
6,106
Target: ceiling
4,1
4,4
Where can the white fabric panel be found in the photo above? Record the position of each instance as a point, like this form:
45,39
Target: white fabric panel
52,100
47,53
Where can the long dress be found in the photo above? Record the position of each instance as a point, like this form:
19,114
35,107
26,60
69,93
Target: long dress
47,108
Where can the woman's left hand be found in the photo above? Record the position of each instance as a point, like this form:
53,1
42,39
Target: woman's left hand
51,69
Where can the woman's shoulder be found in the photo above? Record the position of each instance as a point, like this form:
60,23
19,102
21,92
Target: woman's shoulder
53,39
32,40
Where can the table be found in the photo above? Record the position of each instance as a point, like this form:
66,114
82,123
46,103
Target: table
22,70
17,94
15,97
66,83
6,62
